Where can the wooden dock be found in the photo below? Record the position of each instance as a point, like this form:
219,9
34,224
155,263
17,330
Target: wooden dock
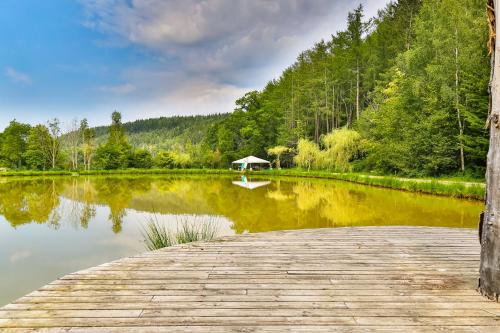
366,279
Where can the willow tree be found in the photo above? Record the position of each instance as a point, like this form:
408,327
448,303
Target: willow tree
489,281
278,151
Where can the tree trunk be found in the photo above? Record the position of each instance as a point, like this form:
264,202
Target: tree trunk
333,107
349,116
408,32
316,126
489,228
84,157
293,102
457,105
53,154
326,103
339,112
357,90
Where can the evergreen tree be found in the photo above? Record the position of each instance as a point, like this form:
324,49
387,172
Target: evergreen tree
116,153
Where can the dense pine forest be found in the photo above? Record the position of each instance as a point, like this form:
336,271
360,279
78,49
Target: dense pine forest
405,93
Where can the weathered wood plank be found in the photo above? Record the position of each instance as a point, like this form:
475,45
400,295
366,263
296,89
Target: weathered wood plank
367,279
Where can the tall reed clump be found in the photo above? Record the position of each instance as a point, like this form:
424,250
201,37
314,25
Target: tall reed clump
157,236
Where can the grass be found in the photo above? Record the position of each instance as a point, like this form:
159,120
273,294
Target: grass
456,189
159,172
131,171
157,236
453,187
28,173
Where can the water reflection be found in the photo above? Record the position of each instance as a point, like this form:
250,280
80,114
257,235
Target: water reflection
248,184
30,201
271,205
50,227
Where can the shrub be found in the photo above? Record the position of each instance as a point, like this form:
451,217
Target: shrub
181,160
164,160
142,159
109,157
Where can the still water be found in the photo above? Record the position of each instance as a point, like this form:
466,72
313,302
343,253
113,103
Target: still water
50,227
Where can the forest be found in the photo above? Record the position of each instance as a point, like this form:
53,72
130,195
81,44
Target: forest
175,142
405,92
402,93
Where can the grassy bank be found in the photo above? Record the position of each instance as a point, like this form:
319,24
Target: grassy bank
452,188
31,173
445,187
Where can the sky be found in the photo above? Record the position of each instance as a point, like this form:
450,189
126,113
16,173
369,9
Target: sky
150,58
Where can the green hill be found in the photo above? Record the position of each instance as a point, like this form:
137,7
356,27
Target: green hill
165,132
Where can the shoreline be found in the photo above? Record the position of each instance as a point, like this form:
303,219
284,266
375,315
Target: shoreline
435,186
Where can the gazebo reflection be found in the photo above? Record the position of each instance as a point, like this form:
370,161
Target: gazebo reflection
244,182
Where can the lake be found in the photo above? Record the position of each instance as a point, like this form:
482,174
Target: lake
50,227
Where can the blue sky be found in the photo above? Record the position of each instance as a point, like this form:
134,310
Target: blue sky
150,58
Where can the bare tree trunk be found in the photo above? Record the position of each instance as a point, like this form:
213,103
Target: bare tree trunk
357,89
316,126
73,139
84,157
489,228
408,32
349,116
333,107
339,110
55,132
54,147
326,103
89,160
293,102
457,106
298,107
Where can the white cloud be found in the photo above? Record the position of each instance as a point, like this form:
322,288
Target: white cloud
17,76
210,51
197,96
216,37
118,89
188,97
159,23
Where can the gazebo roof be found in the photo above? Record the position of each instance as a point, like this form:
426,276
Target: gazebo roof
251,160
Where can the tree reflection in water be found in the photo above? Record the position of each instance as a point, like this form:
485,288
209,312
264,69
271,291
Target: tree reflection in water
34,200
282,204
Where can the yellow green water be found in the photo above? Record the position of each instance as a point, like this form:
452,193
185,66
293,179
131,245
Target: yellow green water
53,226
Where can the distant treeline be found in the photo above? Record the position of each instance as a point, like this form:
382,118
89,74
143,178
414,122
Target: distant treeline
167,133
405,92
160,142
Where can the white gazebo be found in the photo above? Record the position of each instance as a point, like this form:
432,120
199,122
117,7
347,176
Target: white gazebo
246,162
